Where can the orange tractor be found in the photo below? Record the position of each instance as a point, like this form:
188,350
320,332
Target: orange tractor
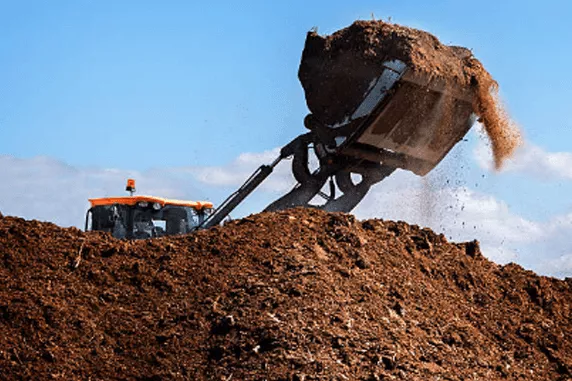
139,217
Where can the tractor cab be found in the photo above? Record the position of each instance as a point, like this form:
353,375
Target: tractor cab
140,217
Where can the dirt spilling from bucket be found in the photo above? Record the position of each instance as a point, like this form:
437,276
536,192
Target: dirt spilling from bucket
504,135
293,295
337,70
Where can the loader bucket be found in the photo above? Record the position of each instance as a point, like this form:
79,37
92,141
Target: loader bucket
409,120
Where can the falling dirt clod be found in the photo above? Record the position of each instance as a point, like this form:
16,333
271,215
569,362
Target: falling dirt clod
336,71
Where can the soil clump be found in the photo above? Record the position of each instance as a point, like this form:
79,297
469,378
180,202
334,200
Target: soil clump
292,295
337,70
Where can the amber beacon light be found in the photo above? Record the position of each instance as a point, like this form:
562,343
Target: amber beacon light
130,187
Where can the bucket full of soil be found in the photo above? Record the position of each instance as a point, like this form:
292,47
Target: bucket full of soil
396,89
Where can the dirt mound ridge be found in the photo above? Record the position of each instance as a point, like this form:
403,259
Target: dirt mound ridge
294,295
336,71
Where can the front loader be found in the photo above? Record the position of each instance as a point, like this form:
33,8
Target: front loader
405,120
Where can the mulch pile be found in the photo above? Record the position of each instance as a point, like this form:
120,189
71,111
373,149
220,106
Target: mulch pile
337,70
292,295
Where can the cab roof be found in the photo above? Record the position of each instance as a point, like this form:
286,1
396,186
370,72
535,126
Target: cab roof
132,200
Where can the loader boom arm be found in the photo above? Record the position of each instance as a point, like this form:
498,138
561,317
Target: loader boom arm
309,183
253,182
239,195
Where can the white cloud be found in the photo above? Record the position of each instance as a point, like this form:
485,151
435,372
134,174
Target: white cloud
236,172
560,267
532,160
500,254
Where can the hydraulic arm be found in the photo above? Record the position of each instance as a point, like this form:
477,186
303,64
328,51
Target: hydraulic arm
310,183
239,195
250,185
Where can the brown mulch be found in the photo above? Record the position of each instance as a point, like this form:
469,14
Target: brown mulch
293,295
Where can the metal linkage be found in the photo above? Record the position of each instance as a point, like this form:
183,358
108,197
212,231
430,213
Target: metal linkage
310,183
253,182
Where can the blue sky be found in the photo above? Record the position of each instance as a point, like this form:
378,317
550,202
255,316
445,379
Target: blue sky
84,77
167,89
